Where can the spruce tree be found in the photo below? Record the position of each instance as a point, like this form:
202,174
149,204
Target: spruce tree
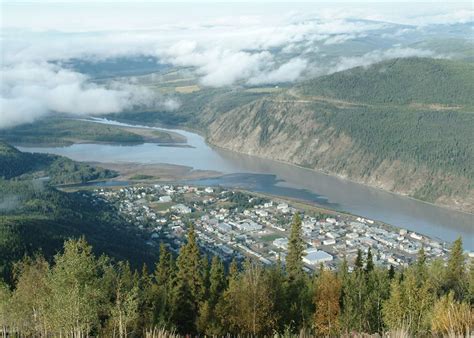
164,276
369,265
359,262
455,279
294,262
189,285
217,281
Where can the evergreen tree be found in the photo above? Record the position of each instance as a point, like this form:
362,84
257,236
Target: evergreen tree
369,265
455,279
294,262
421,269
207,322
296,279
164,276
205,271
359,262
391,272
378,286
147,297
189,285
217,281
233,269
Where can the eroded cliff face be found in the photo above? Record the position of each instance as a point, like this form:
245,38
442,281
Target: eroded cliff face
293,131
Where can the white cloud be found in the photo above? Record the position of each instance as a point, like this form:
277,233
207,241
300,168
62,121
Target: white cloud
225,45
30,91
377,56
287,72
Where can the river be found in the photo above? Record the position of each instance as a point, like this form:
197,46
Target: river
261,175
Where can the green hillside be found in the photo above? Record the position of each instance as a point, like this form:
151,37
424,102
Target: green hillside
61,132
399,81
60,170
35,217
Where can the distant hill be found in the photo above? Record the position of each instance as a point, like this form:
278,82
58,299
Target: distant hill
399,81
14,163
60,170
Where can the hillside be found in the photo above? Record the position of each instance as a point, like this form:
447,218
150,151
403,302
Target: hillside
57,131
60,170
34,216
38,218
419,81
398,129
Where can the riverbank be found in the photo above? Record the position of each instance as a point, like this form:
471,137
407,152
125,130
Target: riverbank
261,175
160,172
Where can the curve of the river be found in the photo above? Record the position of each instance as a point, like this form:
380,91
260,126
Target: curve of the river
282,179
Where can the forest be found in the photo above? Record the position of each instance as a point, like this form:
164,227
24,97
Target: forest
79,294
400,82
59,169
35,216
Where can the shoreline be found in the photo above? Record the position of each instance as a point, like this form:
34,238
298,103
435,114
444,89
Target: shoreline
298,203
343,178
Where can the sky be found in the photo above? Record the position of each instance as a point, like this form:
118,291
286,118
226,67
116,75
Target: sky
225,43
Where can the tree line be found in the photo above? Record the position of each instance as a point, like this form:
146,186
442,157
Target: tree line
79,294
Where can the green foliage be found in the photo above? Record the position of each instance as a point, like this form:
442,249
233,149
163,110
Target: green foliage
399,81
60,170
57,131
41,218
81,294
294,262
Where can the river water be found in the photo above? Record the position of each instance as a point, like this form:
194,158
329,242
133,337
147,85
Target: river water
276,178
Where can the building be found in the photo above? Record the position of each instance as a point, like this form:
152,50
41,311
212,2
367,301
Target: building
181,208
165,199
281,243
249,226
315,257
224,227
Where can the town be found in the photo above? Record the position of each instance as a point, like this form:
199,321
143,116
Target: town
236,224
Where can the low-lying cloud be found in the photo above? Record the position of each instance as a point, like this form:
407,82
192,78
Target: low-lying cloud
376,56
30,91
242,45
